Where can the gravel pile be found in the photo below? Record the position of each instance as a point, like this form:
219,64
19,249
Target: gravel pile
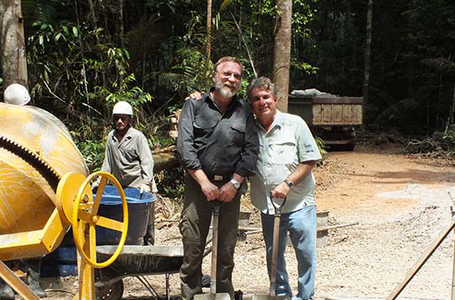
370,259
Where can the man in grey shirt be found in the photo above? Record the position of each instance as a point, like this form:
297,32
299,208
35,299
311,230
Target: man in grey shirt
218,147
129,159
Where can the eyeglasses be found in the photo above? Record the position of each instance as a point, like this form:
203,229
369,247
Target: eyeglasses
123,118
228,74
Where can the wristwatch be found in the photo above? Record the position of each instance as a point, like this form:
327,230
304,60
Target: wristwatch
289,183
235,183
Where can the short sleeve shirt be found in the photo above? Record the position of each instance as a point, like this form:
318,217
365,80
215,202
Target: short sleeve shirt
281,150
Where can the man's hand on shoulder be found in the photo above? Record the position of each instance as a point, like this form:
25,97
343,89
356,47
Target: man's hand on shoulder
195,96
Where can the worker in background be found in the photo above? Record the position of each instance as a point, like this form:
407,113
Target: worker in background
287,156
218,147
129,159
18,94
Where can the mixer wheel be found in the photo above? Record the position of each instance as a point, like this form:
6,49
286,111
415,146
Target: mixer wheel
110,292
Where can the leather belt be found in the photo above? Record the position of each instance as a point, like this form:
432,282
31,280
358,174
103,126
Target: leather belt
218,178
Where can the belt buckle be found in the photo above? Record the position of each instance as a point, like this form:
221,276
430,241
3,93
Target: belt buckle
218,178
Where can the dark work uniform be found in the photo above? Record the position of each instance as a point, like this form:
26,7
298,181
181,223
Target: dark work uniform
220,145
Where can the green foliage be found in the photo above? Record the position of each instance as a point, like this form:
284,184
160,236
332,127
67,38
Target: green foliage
124,86
57,68
269,7
188,73
176,192
440,144
449,136
321,144
304,67
90,138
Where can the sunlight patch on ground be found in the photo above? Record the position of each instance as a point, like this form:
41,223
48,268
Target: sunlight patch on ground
418,192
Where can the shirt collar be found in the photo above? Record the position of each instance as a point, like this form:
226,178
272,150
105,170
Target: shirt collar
278,121
126,137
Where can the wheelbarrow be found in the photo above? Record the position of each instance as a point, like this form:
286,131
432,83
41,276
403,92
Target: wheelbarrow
135,261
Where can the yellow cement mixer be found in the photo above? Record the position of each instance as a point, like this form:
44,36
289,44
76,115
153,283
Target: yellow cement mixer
45,188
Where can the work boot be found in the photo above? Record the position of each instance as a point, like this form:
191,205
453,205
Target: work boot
33,276
6,292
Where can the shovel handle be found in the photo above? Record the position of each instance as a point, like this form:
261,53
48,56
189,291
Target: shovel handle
216,205
275,243
277,206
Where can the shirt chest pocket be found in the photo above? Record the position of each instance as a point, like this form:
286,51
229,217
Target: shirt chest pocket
128,153
204,126
237,134
283,151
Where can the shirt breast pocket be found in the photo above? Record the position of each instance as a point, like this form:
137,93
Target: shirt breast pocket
129,154
203,127
237,134
283,152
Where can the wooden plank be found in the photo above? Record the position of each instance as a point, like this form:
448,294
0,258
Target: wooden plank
337,113
338,100
326,114
347,113
317,114
358,112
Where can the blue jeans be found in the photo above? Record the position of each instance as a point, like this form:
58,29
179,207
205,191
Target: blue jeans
302,226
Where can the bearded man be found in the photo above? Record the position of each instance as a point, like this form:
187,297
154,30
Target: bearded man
218,146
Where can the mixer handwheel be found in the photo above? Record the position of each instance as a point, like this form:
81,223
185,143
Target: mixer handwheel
85,218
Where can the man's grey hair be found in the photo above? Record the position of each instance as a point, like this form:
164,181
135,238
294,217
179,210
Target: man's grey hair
226,59
262,83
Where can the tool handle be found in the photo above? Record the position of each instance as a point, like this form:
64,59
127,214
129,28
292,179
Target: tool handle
277,206
276,238
216,205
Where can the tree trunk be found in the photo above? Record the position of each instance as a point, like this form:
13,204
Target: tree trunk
121,41
282,53
366,76
121,33
93,14
208,44
12,43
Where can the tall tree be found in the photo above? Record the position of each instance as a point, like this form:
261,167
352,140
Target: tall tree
208,44
12,43
366,77
282,52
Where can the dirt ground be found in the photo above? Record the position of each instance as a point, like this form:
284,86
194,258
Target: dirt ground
399,204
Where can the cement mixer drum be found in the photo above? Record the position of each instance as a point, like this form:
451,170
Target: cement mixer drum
36,150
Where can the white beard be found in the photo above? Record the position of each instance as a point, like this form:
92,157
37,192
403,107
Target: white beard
226,92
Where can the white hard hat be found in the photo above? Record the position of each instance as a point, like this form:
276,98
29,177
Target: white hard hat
16,94
122,108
